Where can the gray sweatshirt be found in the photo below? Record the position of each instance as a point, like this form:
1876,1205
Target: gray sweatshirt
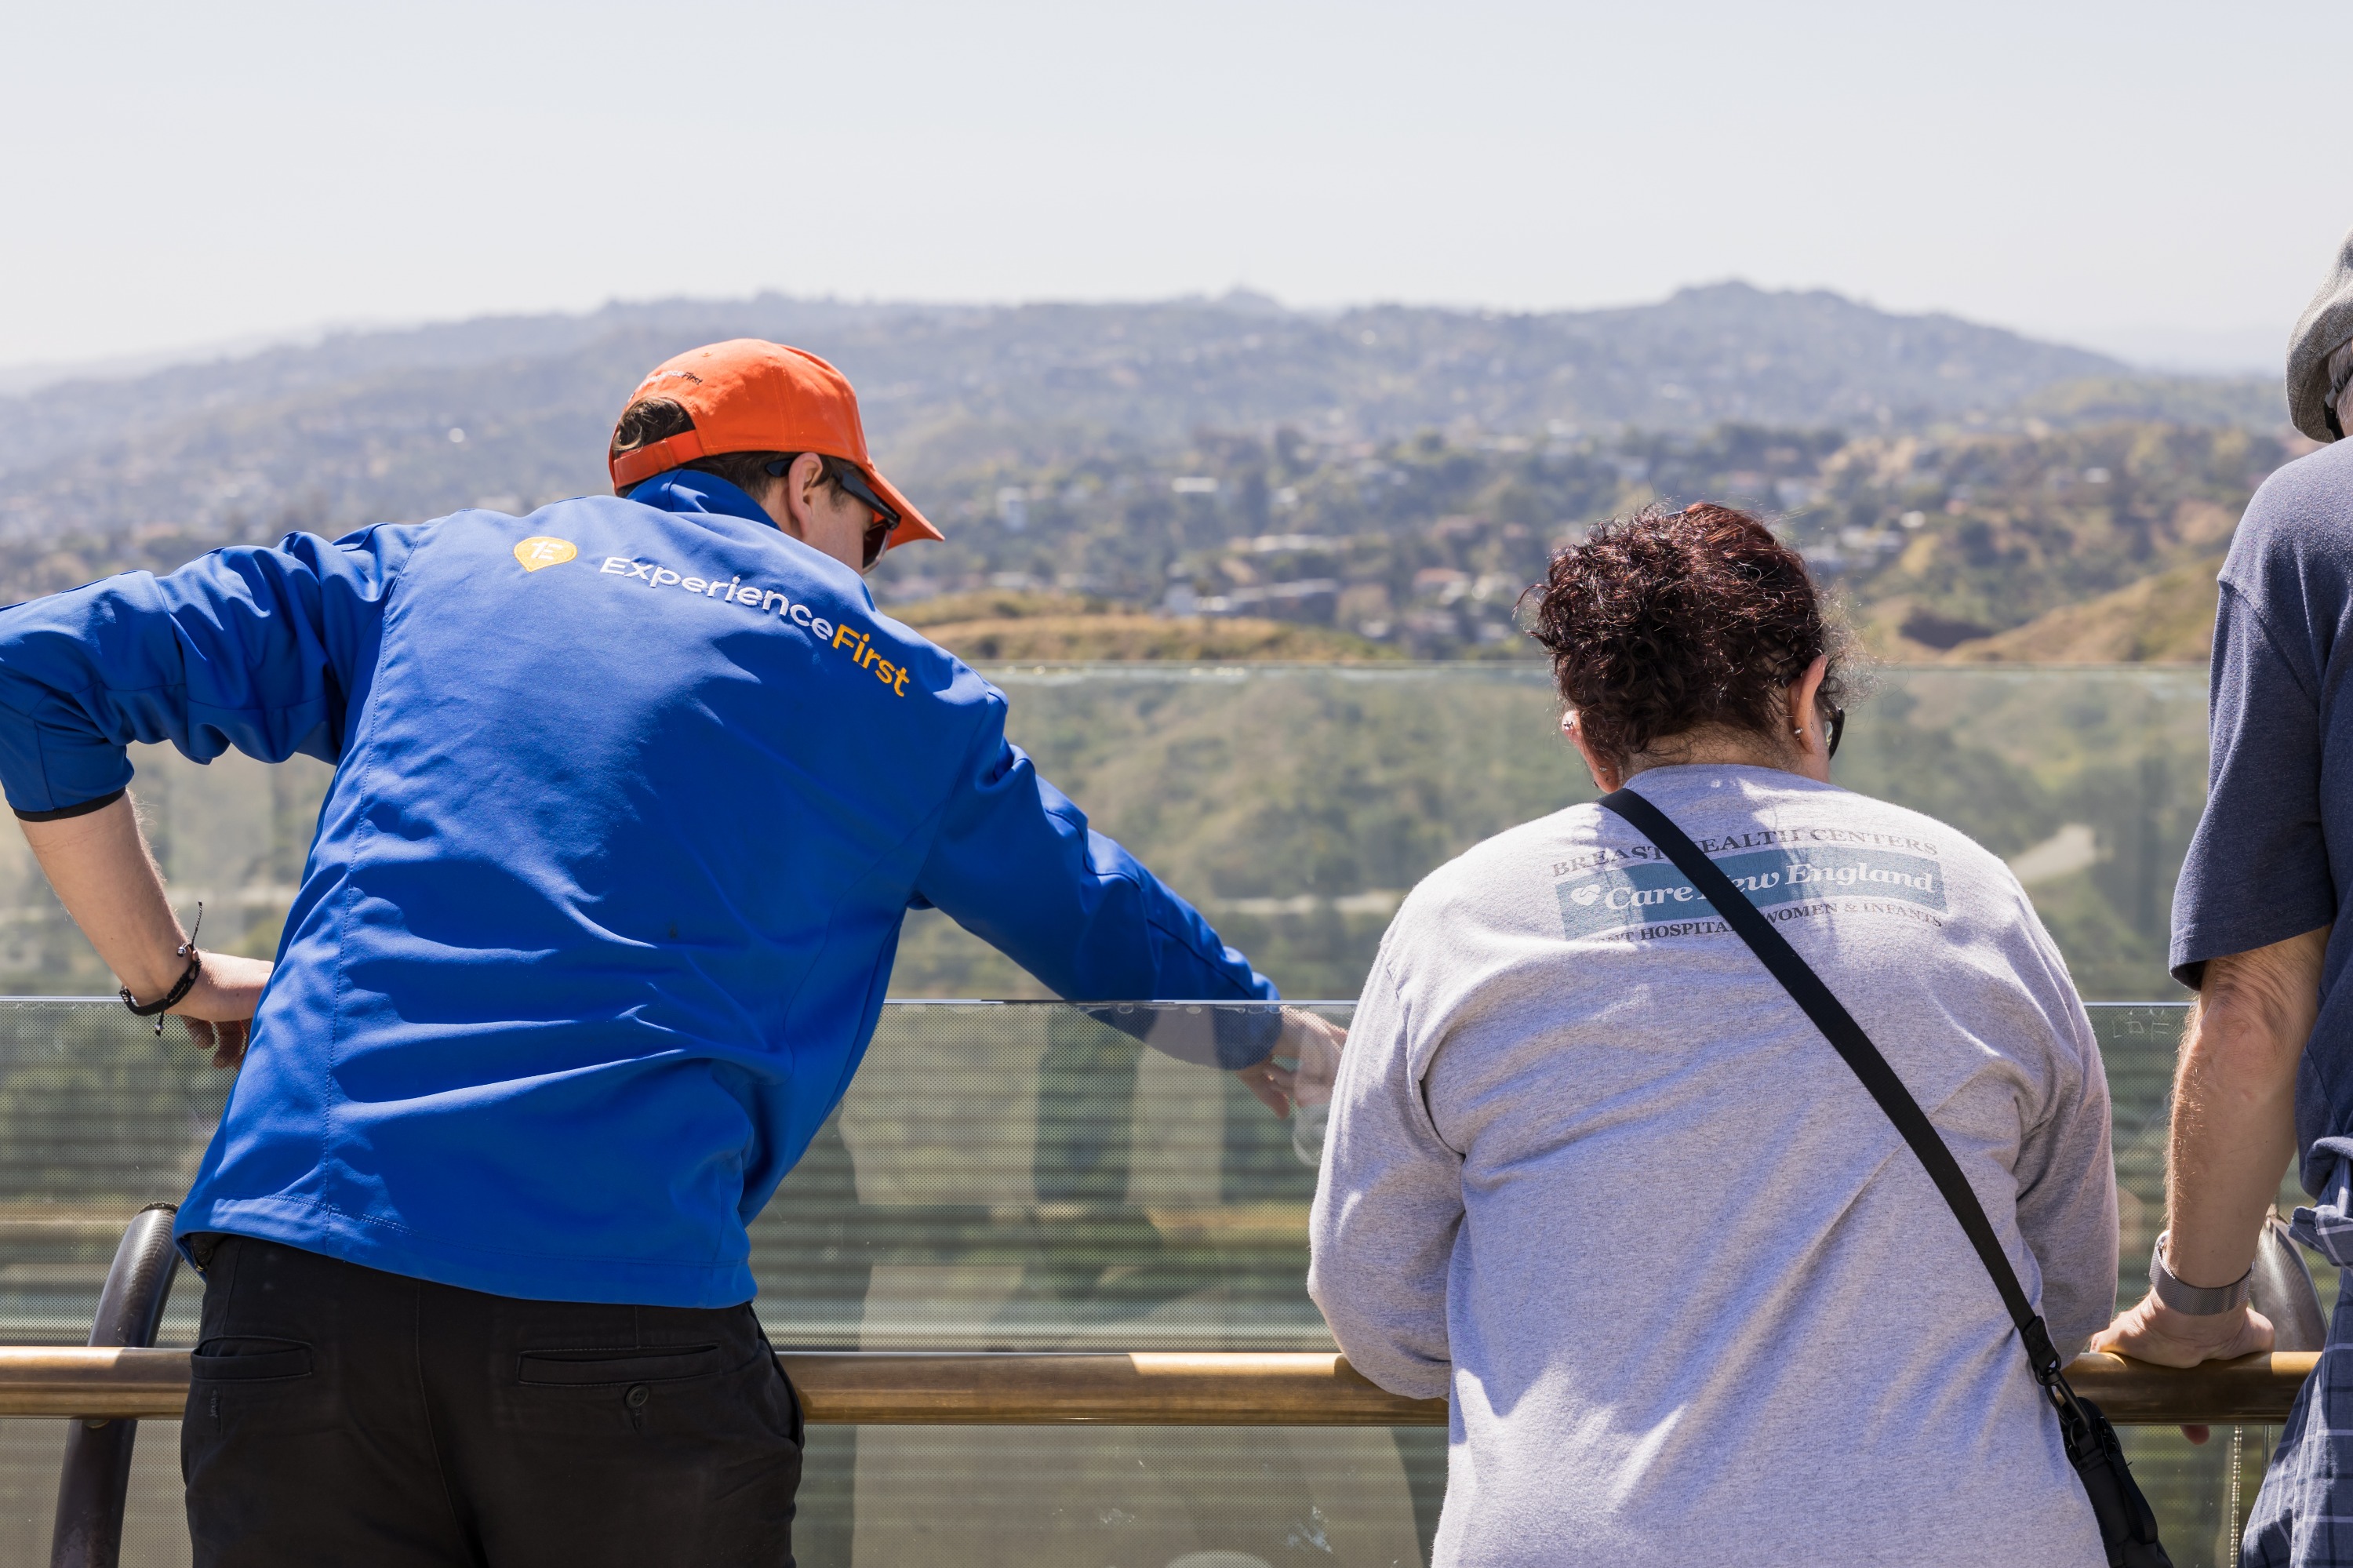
1592,1175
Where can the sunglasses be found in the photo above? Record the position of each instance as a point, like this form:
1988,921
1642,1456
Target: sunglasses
1838,729
843,475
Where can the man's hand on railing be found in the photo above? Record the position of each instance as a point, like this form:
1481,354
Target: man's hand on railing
2151,1331
100,867
218,1011
1311,1047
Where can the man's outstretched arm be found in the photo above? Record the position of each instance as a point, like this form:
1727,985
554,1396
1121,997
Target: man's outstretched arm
99,863
1015,862
2233,1133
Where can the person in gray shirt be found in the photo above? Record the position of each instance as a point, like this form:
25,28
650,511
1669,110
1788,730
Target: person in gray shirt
1593,1176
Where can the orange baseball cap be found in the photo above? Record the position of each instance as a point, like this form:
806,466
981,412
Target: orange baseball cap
747,396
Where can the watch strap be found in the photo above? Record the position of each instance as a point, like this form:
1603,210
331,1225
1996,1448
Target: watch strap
2195,1300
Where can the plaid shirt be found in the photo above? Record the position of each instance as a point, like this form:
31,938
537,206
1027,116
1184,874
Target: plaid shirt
2304,1516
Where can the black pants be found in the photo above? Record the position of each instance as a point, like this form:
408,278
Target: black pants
343,1416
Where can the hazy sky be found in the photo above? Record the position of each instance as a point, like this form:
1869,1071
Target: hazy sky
2127,174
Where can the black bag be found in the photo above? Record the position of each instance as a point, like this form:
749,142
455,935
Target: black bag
2128,1527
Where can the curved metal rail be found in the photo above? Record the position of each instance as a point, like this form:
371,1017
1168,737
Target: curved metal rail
1138,1389
96,1475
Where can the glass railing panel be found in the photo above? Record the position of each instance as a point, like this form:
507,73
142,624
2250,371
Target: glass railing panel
2089,783
1083,1497
1036,1176
1086,1187
98,1116
1015,1176
1297,805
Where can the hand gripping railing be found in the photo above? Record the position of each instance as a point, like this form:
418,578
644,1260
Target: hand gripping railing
96,1477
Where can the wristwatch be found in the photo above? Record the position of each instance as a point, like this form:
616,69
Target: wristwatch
2195,1300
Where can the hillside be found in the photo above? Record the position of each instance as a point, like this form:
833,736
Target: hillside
1396,476
1993,532
1423,545
1118,637
358,428
1426,544
1022,628
2165,619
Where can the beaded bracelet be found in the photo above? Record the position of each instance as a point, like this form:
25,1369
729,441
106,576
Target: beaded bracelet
180,989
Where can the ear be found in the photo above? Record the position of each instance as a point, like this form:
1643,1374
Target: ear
792,498
1809,727
1606,774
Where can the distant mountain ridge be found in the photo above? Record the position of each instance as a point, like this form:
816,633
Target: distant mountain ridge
358,427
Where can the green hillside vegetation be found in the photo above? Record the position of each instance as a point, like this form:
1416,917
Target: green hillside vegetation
1296,805
1997,531
2168,617
2246,402
994,604
1025,628
1097,636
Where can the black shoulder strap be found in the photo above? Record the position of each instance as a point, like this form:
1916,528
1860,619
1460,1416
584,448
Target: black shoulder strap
1847,1037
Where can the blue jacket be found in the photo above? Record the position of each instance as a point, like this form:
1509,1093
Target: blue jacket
630,800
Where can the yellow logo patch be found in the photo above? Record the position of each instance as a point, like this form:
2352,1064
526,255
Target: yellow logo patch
540,550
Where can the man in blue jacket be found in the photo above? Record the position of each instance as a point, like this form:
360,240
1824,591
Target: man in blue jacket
630,799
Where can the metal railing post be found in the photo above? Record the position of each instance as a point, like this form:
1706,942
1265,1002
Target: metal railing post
95,1480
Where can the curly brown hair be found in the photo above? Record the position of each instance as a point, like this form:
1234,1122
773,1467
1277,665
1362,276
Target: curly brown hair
1667,621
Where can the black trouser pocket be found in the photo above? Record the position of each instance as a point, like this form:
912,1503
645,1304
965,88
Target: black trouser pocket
249,1359
578,1369
679,1390
259,1384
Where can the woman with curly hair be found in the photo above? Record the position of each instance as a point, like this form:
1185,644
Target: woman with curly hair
1593,1176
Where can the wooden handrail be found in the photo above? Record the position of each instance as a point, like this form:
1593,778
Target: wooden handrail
1144,1388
